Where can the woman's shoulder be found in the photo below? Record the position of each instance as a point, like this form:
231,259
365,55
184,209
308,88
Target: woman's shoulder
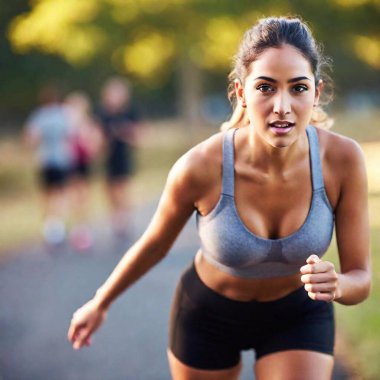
342,156
339,148
202,163
205,155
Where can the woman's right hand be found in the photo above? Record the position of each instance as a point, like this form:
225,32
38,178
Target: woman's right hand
86,320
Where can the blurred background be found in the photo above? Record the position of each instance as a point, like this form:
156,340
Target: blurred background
176,55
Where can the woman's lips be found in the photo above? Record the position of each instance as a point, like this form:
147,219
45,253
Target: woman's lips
281,128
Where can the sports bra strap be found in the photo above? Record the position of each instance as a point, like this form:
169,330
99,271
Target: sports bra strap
228,163
316,166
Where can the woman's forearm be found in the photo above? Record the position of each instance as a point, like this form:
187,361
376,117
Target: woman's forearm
138,260
354,287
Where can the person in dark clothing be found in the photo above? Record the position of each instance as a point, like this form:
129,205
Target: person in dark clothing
119,123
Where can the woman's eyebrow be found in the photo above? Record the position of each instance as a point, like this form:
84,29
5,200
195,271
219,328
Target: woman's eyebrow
298,79
289,81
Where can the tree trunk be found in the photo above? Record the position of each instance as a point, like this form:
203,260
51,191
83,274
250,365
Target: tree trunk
189,93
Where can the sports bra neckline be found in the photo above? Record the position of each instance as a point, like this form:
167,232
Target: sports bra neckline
228,182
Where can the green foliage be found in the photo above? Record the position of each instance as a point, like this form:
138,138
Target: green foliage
79,31
82,43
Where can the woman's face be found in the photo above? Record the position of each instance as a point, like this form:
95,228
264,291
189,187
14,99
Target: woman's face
279,92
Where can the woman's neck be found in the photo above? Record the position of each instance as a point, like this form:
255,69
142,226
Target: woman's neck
271,160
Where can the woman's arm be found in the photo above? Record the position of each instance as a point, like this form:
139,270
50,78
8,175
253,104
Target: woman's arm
353,284
175,208
183,188
352,229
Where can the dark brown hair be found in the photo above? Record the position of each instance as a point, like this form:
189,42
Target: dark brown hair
275,32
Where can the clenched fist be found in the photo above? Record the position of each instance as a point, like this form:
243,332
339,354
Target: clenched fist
320,279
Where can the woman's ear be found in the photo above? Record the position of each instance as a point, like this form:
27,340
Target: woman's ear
239,90
318,92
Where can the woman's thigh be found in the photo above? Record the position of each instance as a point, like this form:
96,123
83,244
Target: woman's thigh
295,365
180,371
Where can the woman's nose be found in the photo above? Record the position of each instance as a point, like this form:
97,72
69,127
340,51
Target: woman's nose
282,104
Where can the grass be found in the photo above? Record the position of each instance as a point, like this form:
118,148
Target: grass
359,325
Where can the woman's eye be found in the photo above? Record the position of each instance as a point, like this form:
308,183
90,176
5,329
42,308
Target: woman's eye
300,88
265,88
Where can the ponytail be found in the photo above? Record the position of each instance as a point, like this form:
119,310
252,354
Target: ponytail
320,118
237,119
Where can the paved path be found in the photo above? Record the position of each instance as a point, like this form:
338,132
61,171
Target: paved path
39,292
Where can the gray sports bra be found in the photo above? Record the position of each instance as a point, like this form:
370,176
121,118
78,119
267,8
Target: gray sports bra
230,246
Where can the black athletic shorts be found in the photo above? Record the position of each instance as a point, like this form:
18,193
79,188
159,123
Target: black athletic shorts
119,163
51,177
208,330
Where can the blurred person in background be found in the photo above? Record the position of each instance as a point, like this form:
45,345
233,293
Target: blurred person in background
267,197
49,131
120,124
86,145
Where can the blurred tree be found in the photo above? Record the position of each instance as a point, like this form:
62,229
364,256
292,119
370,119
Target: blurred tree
62,27
154,41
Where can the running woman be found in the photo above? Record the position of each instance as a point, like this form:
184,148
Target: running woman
267,197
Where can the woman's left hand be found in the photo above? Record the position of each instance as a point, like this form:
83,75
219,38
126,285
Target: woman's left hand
320,279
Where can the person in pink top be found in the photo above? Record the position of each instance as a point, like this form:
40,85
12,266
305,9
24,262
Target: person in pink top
86,146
